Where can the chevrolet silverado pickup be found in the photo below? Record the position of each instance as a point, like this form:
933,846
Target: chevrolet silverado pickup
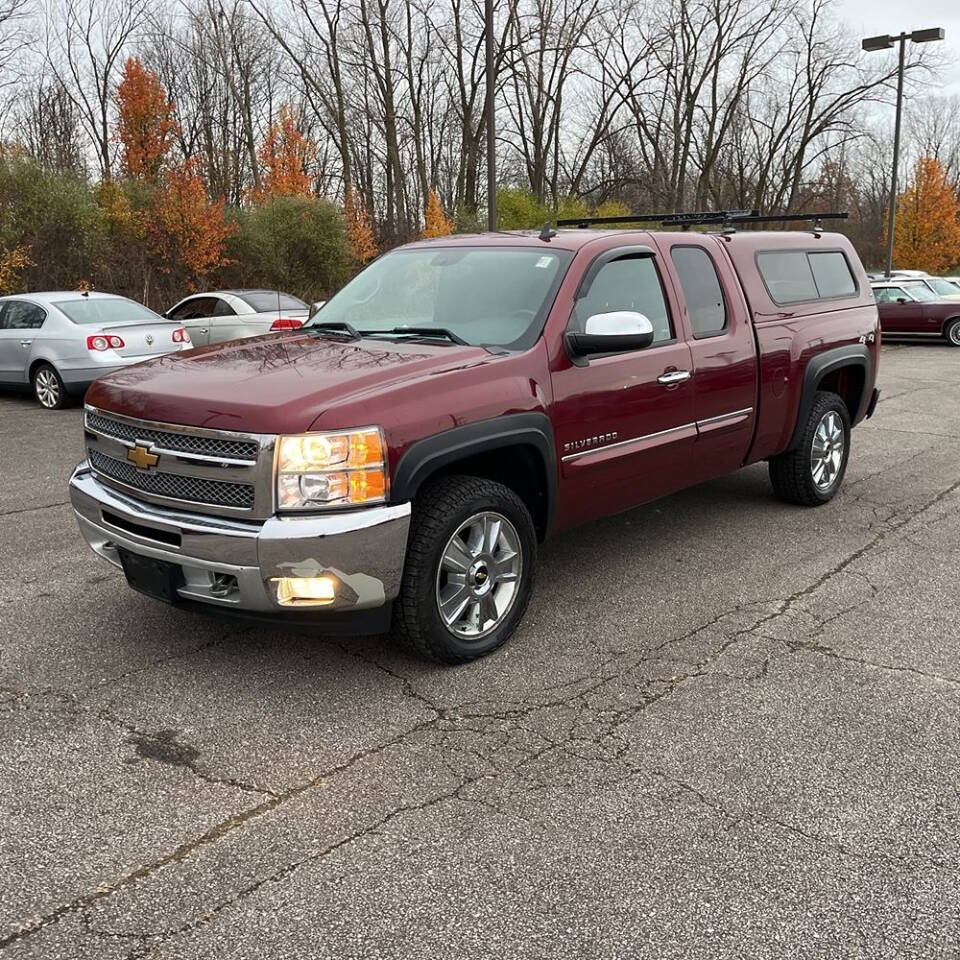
398,460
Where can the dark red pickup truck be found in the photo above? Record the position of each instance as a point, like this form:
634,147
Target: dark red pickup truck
399,459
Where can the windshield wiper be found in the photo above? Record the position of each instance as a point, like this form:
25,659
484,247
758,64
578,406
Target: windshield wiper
430,333
335,326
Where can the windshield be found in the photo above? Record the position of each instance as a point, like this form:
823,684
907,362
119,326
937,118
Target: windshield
944,287
485,296
919,290
104,312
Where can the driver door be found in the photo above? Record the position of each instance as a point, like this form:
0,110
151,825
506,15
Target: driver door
624,422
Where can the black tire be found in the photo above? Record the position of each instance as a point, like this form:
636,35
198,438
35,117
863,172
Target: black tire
439,512
951,332
792,473
48,387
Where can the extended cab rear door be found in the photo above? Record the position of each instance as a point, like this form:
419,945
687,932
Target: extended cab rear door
717,328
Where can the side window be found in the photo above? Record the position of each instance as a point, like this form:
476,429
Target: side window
196,309
631,283
794,276
18,315
832,275
885,294
787,275
701,290
181,312
222,308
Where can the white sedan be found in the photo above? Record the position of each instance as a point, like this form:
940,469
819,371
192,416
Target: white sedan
58,343
233,314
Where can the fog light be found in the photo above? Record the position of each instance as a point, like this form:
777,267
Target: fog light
292,591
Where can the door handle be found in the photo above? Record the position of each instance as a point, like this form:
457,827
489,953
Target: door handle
203,330
25,343
674,377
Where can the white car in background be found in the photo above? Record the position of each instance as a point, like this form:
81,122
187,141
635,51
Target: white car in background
59,343
233,314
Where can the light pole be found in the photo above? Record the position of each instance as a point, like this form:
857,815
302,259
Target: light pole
885,42
491,121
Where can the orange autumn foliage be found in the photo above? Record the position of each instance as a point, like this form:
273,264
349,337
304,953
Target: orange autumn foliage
284,156
363,247
436,222
186,228
145,125
12,262
927,231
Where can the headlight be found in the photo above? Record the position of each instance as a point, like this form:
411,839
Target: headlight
318,470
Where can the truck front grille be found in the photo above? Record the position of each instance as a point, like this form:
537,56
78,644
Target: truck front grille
174,485
190,468
198,444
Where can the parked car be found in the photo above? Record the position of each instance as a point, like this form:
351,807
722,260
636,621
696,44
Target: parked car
58,343
233,314
459,401
941,287
910,307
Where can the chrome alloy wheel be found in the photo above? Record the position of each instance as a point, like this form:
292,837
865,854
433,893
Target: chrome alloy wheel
47,388
954,334
826,453
479,575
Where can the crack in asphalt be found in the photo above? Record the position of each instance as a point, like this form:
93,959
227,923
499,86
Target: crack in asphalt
42,506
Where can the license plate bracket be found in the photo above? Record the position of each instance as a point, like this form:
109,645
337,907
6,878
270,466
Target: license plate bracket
155,578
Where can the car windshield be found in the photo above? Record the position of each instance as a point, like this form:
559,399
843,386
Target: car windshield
944,287
919,290
263,301
102,312
485,296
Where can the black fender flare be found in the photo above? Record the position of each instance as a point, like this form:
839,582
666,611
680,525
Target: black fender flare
852,355
424,457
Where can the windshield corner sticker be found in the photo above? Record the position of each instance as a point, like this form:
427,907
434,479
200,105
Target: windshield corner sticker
544,262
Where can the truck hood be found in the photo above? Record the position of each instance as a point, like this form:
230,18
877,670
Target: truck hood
280,383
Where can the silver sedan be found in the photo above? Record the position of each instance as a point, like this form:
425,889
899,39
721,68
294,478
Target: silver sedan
233,314
59,343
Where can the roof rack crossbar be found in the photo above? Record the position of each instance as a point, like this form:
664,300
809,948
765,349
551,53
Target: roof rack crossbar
706,217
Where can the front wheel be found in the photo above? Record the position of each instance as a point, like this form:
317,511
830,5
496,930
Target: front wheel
812,474
952,332
469,572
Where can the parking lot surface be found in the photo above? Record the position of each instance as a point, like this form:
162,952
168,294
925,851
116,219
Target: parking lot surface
727,728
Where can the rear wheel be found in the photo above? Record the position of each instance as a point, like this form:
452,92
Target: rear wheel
469,570
812,474
48,388
952,332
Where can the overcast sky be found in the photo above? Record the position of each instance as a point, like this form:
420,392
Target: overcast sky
874,17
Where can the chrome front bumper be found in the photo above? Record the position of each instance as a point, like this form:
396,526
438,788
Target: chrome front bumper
362,549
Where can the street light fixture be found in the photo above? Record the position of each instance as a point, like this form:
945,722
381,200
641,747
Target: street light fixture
886,42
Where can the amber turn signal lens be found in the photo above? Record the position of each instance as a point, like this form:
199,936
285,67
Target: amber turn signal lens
367,485
366,449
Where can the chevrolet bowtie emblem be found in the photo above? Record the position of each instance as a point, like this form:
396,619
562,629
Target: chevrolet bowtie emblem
142,457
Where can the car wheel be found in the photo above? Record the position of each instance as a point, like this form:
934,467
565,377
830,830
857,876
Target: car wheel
48,388
812,474
469,572
952,332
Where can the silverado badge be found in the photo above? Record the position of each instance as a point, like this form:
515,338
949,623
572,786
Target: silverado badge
142,457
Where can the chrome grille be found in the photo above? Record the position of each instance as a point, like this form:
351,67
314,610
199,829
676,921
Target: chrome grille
192,443
177,486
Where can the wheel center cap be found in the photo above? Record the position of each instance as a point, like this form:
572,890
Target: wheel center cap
479,577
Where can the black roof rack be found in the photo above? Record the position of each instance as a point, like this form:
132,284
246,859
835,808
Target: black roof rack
726,218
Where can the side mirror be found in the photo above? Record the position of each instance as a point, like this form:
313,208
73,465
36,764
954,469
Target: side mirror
611,333
902,300
314,307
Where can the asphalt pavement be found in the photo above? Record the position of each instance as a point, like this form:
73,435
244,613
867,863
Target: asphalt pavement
727,728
